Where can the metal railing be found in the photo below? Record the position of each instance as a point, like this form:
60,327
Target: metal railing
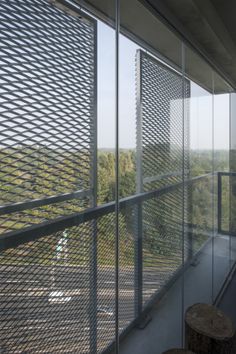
16,238
57,260
29,252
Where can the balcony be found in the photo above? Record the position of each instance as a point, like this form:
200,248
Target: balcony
52,273
117,178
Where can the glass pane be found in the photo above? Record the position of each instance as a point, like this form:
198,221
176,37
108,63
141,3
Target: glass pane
198,275
151,160
232,180
127,181
117,178
57,130
103,285
222,205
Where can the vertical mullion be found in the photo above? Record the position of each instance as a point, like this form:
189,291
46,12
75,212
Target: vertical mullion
139,188
117,29
230,190
93,201
213,187
219,185
183,189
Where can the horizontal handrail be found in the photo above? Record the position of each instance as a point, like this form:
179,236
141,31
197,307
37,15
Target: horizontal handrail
15,238
227,173
34,203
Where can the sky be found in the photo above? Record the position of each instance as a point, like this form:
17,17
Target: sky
202,105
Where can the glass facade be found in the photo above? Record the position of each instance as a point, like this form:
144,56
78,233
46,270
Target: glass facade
117,177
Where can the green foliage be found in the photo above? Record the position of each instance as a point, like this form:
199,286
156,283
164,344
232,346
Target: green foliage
106,175
32,172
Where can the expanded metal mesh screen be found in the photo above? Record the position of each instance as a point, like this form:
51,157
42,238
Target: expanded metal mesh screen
48,170
48,297
58,292
162,241
163,143
45,294
58,283
127,227
162,97
47,108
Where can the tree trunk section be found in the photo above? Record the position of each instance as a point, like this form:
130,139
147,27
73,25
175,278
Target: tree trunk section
208,330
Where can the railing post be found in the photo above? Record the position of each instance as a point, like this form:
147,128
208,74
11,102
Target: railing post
138,261
190,221
219,202
93,290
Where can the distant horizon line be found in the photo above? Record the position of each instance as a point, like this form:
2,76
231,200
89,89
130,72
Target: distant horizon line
78,148
134,148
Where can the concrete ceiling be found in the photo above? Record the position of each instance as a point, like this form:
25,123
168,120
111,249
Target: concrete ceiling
227,13
209,25
206,26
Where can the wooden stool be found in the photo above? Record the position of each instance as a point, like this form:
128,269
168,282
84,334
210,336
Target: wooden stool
178,351
208,330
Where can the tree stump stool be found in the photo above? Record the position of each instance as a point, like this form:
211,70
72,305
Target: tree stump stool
208,330
178,351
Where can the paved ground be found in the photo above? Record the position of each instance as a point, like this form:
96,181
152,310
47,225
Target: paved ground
32,321
227,303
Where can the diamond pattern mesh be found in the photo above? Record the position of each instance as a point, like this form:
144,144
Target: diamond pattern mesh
162,241
47,107
57,296
47,163
127,266
58,292
44,308
164,153
106,274
162,122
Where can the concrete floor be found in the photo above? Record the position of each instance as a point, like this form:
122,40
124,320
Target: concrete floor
228,302
200,283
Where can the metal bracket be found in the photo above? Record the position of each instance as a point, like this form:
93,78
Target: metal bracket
66,7
195,262
144,322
